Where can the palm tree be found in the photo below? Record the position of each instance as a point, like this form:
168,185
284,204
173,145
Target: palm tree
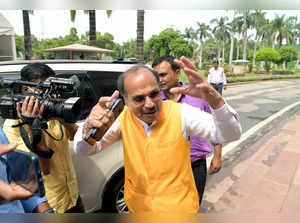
231,44
258,18
92,23
246,25
268,34
236,26
191,35
27,34
140,35
283,29
203,32
221,32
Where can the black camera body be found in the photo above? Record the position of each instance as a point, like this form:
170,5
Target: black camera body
51,94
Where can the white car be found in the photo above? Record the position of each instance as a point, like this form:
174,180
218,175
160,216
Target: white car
101,176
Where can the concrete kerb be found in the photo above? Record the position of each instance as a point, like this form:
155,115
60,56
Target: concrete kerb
232,150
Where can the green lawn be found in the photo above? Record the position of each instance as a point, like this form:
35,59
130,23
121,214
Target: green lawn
246,77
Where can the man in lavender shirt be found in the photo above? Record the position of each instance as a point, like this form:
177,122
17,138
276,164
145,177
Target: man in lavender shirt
169,74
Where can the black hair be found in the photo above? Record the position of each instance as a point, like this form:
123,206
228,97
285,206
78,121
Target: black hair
216,61
169,59
134,69
34,71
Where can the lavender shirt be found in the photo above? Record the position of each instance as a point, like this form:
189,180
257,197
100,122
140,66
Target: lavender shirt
199,145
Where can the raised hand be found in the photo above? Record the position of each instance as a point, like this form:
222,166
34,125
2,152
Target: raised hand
100,117
198,86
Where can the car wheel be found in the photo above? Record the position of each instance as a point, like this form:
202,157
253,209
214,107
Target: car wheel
113,201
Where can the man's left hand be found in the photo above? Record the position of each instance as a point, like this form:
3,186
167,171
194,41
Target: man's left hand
215,165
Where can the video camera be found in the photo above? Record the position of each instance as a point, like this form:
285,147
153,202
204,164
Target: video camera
50,93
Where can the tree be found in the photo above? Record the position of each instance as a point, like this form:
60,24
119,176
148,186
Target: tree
27,34
236,26
247,23
191,35
20,46
288,54
221,32
268,34
268,55
202,33
258,18
92,23
140,35
283,29
165,44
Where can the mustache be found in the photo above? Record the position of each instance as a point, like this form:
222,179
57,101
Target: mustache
150,111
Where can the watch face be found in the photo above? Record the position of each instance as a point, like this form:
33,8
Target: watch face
50,210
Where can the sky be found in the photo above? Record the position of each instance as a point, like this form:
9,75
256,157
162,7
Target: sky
121,24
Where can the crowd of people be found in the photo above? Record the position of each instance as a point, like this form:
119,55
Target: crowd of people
174,127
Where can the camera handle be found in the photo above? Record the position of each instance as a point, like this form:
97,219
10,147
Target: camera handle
38,125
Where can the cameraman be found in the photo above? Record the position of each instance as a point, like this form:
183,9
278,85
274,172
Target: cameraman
13,198
60,179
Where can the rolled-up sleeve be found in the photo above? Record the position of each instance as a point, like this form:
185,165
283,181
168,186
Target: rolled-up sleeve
222,126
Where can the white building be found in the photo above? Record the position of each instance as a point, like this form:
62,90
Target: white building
7,40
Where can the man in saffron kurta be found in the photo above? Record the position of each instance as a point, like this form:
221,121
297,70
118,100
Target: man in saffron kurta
158,173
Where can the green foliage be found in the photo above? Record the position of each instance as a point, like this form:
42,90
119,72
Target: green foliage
267,55
168,41
19,46
105,41
288,53
102,41
250,67
129,49
282,72
260,78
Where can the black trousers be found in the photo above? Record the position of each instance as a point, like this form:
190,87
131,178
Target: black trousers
218,87
78,208
200,172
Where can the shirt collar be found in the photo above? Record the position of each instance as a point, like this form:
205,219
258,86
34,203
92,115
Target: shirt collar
164,97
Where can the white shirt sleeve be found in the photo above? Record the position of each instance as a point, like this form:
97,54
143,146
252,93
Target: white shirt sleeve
81,147
222,126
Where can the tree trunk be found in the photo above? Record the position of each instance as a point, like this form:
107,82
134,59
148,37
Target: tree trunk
201,52
223,52
254,53
219,53
140,36
237,50
27,35
92,34
245,46
231,52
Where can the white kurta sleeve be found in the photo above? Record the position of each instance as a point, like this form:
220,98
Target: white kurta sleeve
81,147
222,126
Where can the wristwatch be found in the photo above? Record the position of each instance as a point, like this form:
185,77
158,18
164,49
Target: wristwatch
49,211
